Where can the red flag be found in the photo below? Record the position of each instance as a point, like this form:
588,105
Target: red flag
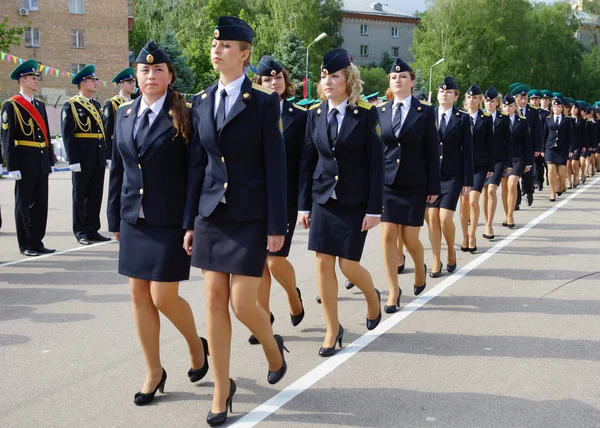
305,87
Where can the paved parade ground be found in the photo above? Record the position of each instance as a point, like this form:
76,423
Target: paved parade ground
511,339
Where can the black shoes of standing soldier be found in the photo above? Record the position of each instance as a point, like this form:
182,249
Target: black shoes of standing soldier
274,377
529,199
328,352
84,241
297,319
371,324
44,250
99,238
253,340
401,267
197,374
394,308
349,284
29,253
141,399
214,419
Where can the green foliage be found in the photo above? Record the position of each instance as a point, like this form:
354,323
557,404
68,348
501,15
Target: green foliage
185,81
591,6
374,80
9,36
386,62
291,53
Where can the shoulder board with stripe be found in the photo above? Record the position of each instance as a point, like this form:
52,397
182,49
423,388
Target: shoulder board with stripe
381,104
462,111
261,89
424,102
485,113
125,104
299,107
199,93
315,106
522,117
189,105
364,104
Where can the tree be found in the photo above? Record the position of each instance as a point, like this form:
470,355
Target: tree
386,62
591,6
374,80
9,36
290,52
185,81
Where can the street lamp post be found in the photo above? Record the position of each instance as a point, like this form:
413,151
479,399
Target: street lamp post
430,76
319,37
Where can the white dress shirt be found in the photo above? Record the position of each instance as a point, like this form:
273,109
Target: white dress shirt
474,118
26,97
560,118
494,115
406,103
233,91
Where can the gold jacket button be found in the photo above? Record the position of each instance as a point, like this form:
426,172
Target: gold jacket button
441,143
225,185
141,191
397,160
441,157
335,159
398,144
222,159
337,178
139,166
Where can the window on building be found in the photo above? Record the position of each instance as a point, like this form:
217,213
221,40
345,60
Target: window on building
31,5
32,37
76,68
364,30
130,8
76,6
395,52
77,39
364,50
395,32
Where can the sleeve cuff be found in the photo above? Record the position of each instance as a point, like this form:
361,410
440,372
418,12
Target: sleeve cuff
373,215
303,212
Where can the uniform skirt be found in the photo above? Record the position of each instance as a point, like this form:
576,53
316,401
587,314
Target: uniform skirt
292,210
479,178
518,168
449,194
576,155
335,229
222,244
558,157
499,168
153,253
404,205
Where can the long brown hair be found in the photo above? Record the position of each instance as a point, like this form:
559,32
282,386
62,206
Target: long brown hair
290,89
179,109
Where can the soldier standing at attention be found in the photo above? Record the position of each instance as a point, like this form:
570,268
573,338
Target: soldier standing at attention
85,142
26,137
126,83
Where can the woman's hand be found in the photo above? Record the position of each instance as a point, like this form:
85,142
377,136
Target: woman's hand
369,222
117,235
508,170
304,220
188,240
527,168
431,199
489,174
275,242
465,190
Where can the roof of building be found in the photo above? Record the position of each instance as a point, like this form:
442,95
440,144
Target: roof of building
373,8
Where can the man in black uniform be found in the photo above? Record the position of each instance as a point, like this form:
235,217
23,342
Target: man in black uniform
126,83
25,137
85,142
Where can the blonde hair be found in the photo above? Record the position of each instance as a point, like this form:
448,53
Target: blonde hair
498,103
465,101
354,86
245,46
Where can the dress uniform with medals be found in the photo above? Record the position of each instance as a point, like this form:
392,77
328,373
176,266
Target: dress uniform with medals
411,156
483,144
147,186
237,179
25,136
109,111
503,144
293,122
85,142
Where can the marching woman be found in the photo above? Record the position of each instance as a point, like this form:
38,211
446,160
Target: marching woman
592,125
236,204
456,155
412,176
522,158
341,187
148,180
483,165
271,75
590,130
503,155
558,136
578,141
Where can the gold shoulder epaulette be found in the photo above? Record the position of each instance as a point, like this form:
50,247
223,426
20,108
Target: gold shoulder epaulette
125,104
485,113
522,117
199,93
364,104
425,102
299,107
315,106
261,89
189,105
462,111
381,104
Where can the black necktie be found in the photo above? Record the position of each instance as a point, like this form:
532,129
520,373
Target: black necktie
557,121
397,123
332,127
221,110
142,130
443,125
523,112
473,121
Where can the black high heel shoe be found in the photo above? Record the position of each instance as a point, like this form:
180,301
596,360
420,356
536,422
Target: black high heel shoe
401,267
252,340
472,250
297,319
435,274
274,377
371,324
419,289
141,399
214,419
328,352
197,374
451,268
394,308
349,285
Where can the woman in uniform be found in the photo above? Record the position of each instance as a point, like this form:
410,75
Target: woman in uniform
522,158
578,141
558,137
271,75
412,176
341,187
503,155
146,201
456,155
236,204
483,162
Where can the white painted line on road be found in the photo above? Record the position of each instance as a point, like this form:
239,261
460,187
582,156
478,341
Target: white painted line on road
309,379
44,256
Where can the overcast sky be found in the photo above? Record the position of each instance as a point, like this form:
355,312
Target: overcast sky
410,6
